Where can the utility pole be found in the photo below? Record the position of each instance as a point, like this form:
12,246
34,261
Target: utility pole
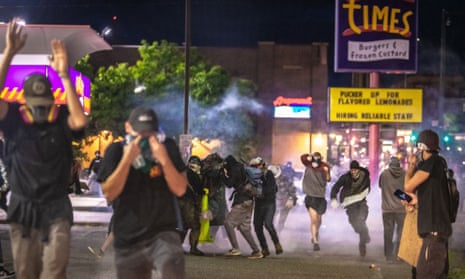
187,34
442,69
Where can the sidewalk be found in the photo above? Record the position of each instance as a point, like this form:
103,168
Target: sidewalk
87,210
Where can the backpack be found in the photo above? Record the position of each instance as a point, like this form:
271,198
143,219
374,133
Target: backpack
254,178
454,195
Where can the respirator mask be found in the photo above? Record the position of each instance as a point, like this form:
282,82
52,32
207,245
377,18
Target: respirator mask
40,114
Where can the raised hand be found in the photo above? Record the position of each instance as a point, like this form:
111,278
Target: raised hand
14,38
59,58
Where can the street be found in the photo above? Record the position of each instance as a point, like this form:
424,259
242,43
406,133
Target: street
338,258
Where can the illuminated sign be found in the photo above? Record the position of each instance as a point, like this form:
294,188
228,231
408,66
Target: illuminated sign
376,36
375,105
13,87
292,107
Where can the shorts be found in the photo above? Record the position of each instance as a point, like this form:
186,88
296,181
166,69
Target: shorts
318,204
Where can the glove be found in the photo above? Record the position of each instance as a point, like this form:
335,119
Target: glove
334,204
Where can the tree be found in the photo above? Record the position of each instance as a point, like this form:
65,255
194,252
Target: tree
112,89
160,69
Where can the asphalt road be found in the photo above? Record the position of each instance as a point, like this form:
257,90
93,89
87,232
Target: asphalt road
338,258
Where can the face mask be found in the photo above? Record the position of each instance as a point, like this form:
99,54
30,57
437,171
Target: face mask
316,161
419,154
145,160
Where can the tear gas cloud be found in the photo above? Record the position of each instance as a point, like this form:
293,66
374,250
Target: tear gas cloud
226,120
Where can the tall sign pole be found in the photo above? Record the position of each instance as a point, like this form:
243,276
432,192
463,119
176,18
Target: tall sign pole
374,36
187,46
442,69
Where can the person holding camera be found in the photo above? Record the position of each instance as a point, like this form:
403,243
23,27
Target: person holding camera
143,177
316,176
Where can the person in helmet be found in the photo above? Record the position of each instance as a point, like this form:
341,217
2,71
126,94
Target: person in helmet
189,204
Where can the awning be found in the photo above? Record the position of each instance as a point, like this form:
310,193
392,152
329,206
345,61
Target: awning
79,40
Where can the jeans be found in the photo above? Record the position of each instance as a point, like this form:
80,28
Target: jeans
263,216
391,221
164,253
358,214
433,261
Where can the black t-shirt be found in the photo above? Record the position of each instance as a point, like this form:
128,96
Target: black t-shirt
95,164
146,206
38,160
433,213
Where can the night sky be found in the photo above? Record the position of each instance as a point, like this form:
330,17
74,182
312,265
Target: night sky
228,23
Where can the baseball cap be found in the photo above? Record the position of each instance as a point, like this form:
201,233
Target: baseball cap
143,119
354,165
38,90
430,139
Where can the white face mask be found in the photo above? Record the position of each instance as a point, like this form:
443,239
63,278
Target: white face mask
419,154
315,165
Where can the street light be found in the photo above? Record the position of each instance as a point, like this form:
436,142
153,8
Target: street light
106,32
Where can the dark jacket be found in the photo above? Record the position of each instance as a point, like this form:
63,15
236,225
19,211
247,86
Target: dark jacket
349,186
269,188
236,178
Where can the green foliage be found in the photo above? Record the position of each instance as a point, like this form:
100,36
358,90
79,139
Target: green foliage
84,67
112,89
207,82
161,70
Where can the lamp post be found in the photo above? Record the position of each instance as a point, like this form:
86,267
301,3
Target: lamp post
442,68
187,30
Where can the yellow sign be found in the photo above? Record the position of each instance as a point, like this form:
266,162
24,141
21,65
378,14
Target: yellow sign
375,105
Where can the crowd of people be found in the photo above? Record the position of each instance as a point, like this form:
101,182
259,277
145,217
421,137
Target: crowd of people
158,200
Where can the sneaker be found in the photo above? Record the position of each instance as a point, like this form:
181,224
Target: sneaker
196,252
256,255
233,252
265,252
316,247
96,252
6,274
278,248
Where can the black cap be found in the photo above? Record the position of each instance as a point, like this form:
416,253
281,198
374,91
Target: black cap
430,138
143,119
38,90
194,160
354,165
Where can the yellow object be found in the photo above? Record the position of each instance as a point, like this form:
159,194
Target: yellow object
205,236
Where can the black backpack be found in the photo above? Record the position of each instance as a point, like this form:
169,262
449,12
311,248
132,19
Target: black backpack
454,195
